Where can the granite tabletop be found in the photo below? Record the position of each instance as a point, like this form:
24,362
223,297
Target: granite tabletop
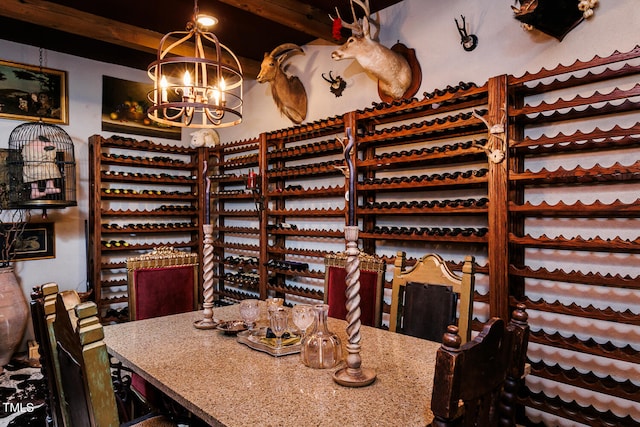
224,382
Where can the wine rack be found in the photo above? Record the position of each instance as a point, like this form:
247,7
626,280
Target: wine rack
235,215
304,209
143,195
575,134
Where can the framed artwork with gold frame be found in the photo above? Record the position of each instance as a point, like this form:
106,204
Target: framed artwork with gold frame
30,92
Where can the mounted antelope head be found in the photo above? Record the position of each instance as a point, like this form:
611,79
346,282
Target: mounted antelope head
337,84
390,68
287,91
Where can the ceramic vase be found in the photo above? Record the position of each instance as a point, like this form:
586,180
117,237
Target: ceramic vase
14,313
321,348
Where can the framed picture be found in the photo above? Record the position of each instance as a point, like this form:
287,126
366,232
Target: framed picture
29,92
37,241
124,109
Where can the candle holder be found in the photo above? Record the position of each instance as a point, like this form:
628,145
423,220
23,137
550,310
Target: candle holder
207,321
354,375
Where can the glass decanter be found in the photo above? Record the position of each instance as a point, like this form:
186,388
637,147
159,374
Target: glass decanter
321,348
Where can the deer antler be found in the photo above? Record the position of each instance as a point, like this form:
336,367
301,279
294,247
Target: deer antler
496,153
356,28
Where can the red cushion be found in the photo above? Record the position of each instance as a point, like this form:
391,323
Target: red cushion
163,291
336,297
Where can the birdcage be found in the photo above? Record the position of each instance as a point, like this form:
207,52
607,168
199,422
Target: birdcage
42,168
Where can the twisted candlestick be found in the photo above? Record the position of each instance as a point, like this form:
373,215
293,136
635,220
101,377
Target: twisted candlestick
207,282
353,375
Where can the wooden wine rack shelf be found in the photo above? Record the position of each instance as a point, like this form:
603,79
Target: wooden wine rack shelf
167,180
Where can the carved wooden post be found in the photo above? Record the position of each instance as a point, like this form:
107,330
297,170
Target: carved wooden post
207,321
353,375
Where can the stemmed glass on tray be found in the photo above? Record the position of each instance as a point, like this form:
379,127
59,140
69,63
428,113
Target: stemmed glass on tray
302,316
249,311
279,321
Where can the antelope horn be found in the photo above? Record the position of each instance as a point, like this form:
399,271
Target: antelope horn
330,79
288,48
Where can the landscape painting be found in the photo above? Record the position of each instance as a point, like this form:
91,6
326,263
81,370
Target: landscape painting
29,92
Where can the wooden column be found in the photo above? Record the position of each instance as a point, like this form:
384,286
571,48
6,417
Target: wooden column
263,167
95,213
498,236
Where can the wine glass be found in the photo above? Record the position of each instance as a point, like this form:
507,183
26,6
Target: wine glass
274,304
302,316
249,310
279,321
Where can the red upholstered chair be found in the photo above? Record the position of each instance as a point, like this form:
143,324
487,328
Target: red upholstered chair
372,271
162,282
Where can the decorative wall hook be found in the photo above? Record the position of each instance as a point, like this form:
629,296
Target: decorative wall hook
337,84
468,41
495,152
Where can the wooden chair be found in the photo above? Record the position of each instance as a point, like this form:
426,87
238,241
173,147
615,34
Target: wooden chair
372,270
43,314
162,282
85,372
424,297
476,384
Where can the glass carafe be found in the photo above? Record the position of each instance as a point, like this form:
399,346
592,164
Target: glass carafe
321,348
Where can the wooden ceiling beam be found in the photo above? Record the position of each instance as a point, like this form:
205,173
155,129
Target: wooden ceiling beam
294,14
84,24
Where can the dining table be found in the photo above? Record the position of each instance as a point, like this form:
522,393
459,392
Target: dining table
225,382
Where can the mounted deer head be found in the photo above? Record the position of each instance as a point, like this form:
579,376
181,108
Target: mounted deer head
390,68
287,91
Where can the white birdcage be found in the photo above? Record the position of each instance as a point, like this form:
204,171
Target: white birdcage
42,168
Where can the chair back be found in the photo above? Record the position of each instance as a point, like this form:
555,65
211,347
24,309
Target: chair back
372,270
84,366
43,314
476,384
162,282
424,297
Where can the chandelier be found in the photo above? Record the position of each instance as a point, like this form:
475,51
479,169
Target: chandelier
197,81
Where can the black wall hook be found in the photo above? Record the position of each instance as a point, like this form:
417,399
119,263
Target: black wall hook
468,41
